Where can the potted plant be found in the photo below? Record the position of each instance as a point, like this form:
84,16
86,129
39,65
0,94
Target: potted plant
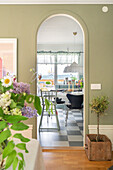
48,83
14,98
98,147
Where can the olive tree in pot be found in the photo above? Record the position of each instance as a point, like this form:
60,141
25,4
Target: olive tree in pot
98,147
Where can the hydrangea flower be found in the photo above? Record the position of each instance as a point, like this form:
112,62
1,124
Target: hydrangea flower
21,88
5,99
6,111
28,112
16,111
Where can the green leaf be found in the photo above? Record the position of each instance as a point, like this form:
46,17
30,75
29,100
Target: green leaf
22,138
3,125
19,107
47,104
22,146
22,156
8,88
37,105
19,126
1,88
21,102
21,164
4,135
10,159
15,163
14,96
12,105
14,118
1,112
29,98
8,149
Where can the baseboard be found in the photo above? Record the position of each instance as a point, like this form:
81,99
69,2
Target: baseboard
104,129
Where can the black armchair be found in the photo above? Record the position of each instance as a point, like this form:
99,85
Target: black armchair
76,102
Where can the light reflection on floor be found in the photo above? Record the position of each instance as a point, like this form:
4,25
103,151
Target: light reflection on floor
72,135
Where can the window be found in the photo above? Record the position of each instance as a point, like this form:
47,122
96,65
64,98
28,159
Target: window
50,67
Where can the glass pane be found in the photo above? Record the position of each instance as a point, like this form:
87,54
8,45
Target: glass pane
51,69
45,75
61,76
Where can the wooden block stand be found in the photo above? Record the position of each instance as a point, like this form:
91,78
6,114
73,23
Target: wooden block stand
98,151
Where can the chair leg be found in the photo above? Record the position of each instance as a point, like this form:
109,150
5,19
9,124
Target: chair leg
41,118
66,117
48,118
40,121
56,114
82,113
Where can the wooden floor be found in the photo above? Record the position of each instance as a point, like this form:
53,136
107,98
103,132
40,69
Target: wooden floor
72,159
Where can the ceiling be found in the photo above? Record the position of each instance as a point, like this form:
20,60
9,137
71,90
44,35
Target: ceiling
56,2
59,30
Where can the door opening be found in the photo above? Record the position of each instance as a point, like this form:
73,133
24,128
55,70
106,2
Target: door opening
60,67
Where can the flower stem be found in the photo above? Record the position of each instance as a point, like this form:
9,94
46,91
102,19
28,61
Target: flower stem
2,163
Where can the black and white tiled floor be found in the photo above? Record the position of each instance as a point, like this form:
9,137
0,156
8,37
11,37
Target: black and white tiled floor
70,135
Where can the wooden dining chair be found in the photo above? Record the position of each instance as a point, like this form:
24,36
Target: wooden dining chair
75,102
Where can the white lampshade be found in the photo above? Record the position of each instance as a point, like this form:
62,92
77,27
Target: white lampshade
74,67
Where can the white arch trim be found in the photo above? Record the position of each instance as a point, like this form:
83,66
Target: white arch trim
84,64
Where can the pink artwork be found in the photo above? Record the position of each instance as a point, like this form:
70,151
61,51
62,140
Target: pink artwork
8,56
1,68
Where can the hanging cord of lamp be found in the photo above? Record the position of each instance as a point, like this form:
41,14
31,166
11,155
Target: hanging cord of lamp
74,67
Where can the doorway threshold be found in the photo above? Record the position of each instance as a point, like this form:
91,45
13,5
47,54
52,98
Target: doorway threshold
62,149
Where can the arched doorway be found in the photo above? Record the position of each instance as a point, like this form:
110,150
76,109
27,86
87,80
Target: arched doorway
60,49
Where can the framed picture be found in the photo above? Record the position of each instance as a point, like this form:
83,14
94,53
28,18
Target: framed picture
8,56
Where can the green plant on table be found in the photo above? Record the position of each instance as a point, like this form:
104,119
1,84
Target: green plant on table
99,105
73,78
48,82
14,100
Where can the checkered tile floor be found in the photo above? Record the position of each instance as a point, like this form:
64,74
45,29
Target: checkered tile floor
72,135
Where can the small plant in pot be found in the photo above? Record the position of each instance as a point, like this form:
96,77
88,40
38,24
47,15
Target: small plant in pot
98,147
98,106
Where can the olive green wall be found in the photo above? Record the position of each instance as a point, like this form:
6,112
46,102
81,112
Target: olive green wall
23,21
